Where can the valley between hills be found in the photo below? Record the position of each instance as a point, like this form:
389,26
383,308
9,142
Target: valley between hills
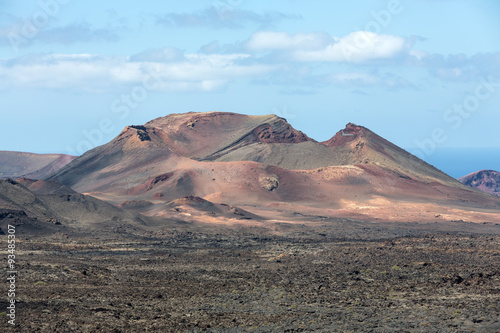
223,222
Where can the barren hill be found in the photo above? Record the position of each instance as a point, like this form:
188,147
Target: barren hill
43,211
353,145
207,136
485,180
35,166
261,162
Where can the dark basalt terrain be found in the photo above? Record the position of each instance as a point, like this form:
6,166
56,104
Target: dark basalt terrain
348,277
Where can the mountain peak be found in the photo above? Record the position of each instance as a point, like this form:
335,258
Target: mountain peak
346,135
353,128
209,135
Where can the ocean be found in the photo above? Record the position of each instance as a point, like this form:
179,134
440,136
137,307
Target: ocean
458,162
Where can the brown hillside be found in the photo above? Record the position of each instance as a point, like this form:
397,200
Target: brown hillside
255,162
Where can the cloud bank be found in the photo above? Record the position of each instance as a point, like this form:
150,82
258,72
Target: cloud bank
172,70
305,61
359,46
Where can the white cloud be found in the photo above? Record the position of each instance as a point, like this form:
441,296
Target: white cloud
457,67
356,47
101,74
303,60
167,54
418,54
271,40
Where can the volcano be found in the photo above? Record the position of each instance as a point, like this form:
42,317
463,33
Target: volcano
265,167
485,180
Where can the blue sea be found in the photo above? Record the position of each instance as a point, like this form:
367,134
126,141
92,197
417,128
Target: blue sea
458,162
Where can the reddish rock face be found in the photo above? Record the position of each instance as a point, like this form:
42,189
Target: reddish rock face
485,180
212,134
279,132
348,134
353,129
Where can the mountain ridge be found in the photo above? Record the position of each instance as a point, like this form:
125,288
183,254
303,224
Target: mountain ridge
15,164
241,160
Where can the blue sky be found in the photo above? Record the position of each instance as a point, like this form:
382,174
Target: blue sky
425,74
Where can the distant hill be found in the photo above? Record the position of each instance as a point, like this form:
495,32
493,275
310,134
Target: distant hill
35,166
485,180
42,212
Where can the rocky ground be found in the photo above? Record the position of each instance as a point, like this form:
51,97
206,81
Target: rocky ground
366,279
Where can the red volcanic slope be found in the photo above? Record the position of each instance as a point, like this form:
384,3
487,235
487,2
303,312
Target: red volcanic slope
485,180
354,145
262,161
212,134
167,144
366,147
35,166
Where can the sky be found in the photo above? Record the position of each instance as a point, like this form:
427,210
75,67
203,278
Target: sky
424,74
